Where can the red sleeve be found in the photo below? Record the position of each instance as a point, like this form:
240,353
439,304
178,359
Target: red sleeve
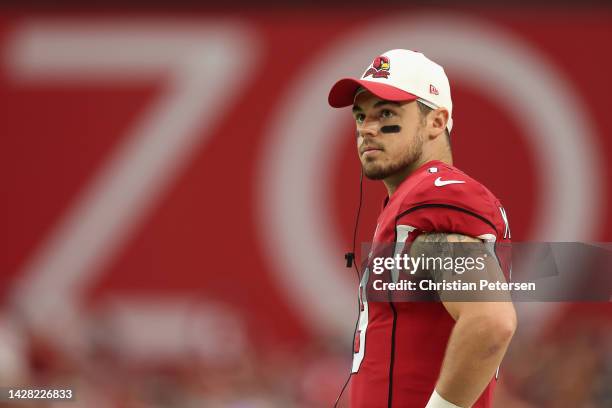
465,207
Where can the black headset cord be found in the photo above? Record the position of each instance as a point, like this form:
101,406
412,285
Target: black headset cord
350,261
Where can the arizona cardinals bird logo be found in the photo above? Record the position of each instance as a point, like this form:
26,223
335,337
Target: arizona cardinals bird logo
380,68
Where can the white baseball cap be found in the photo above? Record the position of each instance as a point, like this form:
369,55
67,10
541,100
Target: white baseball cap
400,76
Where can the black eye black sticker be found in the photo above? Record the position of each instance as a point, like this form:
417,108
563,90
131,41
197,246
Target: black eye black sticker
391,129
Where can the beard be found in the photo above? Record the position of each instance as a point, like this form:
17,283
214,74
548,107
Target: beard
380,171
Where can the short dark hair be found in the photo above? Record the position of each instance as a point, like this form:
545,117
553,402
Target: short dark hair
424,111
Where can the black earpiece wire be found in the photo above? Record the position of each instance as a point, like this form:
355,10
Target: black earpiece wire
350,260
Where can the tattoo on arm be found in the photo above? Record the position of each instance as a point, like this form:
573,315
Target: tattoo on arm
459,249
445,245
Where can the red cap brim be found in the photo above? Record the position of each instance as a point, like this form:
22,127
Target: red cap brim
343,92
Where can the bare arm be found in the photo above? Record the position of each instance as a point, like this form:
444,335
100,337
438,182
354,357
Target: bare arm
482,330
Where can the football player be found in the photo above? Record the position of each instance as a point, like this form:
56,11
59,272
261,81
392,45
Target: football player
436,354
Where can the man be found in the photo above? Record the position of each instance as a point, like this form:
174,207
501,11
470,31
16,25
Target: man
441,354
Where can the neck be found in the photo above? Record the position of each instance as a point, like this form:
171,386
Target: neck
392,182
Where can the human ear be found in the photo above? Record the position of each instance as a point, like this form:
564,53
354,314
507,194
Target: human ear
437,122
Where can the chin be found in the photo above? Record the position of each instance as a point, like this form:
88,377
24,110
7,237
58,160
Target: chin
376,172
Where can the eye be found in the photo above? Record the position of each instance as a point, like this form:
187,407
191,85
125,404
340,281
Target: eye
359,117
386,113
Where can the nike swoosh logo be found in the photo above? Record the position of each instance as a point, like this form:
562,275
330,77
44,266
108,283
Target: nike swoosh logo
439,182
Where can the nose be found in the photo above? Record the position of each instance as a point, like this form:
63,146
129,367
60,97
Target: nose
368,128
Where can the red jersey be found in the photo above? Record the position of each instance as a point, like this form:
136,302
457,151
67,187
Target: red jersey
399,346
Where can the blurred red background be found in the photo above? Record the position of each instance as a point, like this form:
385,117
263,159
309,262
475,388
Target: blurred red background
177,195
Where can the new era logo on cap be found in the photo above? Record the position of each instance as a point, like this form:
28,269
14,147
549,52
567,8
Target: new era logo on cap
411,78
